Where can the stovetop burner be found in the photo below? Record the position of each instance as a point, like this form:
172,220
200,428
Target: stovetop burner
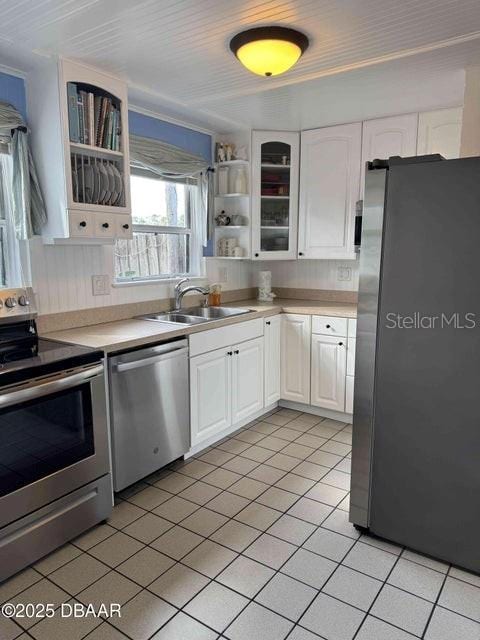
23,355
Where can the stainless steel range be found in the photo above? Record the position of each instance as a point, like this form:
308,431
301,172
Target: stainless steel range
54,456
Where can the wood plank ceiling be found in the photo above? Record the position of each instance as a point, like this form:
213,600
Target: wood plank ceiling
366,56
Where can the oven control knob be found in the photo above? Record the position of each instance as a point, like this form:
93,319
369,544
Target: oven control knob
10,302
23,301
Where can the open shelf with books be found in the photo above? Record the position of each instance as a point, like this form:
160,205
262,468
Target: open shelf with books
80,136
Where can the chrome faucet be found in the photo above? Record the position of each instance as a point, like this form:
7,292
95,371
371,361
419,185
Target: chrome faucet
179,293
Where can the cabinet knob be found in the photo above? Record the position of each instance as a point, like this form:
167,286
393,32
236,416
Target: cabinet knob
300,253
126,226
268,322
340,344
105,225
229,353
327,326
256,255
236,352
82,224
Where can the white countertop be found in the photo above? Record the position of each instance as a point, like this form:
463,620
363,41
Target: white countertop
126,334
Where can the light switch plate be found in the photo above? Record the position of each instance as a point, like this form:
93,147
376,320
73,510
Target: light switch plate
100,285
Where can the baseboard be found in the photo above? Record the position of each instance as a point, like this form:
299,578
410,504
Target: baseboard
317,411
226,432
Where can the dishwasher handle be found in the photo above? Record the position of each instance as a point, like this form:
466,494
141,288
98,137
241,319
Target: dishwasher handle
172,352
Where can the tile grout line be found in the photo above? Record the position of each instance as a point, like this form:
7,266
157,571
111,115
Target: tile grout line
435,604
166,473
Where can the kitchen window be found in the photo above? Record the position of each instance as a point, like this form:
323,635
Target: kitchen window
166,241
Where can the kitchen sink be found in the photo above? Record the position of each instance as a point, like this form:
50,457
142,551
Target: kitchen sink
196,315
215,313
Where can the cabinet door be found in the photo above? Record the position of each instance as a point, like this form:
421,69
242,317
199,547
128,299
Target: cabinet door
440,132
272,359
328,372
275,159
210,394
329,189
351,347
385,137
349,384
295,358
247,379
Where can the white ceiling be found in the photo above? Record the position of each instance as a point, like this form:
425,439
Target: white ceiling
367,57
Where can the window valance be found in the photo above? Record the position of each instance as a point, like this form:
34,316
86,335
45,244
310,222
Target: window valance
169,161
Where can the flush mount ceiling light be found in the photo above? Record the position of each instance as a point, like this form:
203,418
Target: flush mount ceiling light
269,51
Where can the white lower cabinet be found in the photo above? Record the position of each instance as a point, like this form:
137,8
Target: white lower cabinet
247,379
272,329
210,394
349,380
329,358
295,358
351,346
226,387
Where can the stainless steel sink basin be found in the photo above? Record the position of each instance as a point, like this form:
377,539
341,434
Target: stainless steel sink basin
196,315
177,318
215,313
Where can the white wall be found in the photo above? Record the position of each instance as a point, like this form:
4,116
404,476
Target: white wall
62,278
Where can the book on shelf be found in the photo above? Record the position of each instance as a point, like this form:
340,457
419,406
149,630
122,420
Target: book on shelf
73,122
81,118
93,118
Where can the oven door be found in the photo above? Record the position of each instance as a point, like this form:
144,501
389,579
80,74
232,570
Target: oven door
53,439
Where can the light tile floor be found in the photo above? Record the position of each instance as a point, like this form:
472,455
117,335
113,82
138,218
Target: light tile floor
248,540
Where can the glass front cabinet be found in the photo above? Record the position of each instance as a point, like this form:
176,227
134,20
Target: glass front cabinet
275,160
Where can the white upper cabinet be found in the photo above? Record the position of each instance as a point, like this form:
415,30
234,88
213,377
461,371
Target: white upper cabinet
385,137
440,132
79,121
329,189
275,159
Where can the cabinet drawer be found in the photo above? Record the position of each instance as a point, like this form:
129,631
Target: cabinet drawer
225,336
105,225
352,328
351,345
81,225
329,325
123,227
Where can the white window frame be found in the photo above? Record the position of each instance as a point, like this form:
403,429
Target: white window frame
195,253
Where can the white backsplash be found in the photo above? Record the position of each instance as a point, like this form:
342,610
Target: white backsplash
310,274
62,277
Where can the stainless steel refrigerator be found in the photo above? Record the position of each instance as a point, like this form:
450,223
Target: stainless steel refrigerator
416,425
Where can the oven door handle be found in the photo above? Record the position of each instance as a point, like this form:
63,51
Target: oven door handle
40,389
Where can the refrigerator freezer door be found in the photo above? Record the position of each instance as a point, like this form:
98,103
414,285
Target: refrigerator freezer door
425,475
370,257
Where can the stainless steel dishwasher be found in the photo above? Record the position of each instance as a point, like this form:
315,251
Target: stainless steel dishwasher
149,406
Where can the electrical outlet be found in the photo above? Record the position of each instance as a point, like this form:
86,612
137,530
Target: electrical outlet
222,274
100,285
344,274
